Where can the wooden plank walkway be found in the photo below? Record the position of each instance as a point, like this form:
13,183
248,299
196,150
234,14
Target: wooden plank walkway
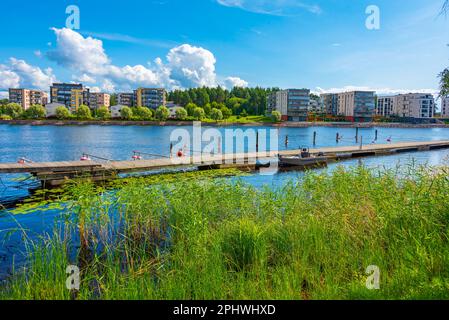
146,165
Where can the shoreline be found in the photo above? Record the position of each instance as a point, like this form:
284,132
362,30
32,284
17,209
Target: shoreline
221,124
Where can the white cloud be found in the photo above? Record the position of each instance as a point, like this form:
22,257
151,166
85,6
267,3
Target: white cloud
192,66
4,95
74,51
8,79
272,7
231,82
84,78
186,65
20,73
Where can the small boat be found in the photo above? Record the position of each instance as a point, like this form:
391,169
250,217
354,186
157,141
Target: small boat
305,159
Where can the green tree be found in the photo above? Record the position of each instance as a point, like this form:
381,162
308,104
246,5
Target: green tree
207,108
276,116
191,109
181,114
162,113
83,113
62,113
143,113
199,113
13,110
444,83
103,113
35,112
216,115
227,113
126,113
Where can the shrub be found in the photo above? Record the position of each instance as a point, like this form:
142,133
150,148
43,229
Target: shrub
162,113
103,113
5,117
276,116
216,115
13,110
126,113
35,112
199,113
62,113
181,114
83,113
142,113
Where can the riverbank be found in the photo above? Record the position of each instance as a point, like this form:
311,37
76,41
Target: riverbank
218,124
320,238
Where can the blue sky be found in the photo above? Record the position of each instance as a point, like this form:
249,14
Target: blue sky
319,44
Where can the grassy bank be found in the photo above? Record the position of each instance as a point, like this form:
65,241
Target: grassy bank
213,239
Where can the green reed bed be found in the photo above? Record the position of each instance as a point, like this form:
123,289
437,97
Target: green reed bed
217,239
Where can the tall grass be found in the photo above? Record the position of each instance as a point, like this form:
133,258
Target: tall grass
216,239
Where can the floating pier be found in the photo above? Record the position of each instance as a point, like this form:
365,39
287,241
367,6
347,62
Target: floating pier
52,174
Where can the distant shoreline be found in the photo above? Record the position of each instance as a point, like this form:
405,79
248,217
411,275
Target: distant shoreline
221,124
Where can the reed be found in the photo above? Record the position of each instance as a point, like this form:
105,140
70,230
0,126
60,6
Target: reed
221,239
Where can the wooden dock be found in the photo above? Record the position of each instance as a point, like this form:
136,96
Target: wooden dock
56,173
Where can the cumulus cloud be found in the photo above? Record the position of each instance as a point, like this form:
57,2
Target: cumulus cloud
20,73
84,78
231,82
272,7
4,94
192,66
185,66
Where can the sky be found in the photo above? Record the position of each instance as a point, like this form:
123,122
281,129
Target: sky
324,45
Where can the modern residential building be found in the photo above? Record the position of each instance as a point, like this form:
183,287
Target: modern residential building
26,97
330,102
97,100
386,106
70,94
357,105
445,107
150,97
415,105
293,104
125,99
316,105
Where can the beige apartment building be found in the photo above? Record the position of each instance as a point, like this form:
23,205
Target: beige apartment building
356,104
26,97
415,105
97,100
386,106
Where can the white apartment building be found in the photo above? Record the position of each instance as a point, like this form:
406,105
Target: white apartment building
386,106
445,107
415,105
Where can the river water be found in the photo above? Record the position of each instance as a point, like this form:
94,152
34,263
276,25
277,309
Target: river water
68,143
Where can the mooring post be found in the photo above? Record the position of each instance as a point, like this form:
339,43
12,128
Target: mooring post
338,137
286,142
361,142
376,135
257,141
171,150
356,134
314,138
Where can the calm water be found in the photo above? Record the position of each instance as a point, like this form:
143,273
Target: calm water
52,143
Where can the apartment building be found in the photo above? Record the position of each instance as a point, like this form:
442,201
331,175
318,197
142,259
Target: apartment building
330,103
70,94
415,105
316,105
445,107
26,98
293,104
97,100
150,97
386,106
125,99
356,105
